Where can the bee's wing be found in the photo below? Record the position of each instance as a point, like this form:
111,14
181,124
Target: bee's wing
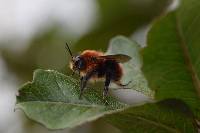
118,57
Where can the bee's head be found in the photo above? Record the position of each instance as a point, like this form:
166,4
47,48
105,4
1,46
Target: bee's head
77,63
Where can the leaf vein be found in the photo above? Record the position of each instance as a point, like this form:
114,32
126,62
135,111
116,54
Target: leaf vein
187,58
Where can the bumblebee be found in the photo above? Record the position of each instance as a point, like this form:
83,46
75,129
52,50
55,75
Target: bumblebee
94,65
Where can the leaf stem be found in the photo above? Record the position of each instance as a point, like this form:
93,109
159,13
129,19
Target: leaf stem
187,58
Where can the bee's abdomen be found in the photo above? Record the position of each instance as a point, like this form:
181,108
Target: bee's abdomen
112,68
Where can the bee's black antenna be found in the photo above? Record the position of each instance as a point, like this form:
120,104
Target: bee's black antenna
67,47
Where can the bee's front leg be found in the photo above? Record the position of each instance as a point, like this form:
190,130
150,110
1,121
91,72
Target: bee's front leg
81,80
82,85
84,80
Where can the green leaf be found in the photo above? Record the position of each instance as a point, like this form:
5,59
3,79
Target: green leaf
172,67
132,69
153,118
172,57
53,100
170,115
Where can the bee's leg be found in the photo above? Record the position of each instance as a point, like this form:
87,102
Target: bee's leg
84,80
81,85
79,73
123,85
107,83
81,80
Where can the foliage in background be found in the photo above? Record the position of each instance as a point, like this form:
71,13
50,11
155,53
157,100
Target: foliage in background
171,66
121,17
47,48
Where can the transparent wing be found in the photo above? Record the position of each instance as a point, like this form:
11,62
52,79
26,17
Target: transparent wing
118,57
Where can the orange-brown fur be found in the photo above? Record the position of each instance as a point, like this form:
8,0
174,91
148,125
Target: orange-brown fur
87,55
90,65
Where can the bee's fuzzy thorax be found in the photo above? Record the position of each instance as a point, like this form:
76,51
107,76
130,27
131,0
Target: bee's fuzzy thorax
90,53
87,55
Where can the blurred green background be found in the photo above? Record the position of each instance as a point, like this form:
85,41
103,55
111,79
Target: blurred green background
33,35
